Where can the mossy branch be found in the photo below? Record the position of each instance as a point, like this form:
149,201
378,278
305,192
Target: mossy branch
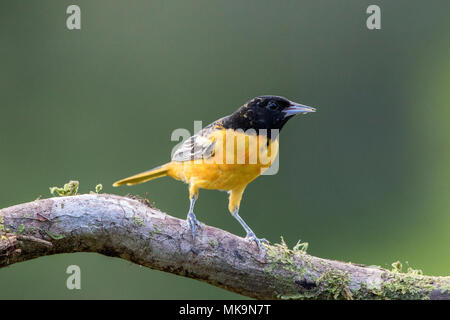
132,230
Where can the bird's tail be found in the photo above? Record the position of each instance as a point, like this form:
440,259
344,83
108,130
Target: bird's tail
154,173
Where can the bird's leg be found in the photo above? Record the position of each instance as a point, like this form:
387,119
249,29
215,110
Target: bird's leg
233,206
191,219
250,234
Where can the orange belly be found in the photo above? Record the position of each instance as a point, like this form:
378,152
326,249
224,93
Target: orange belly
231,166
214,176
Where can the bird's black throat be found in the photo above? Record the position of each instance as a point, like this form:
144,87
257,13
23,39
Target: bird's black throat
253,119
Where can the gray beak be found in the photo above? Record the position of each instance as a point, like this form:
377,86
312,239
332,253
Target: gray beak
296,108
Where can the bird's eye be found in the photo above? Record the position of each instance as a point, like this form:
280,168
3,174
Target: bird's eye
272,106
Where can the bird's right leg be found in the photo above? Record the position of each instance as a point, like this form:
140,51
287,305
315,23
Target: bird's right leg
191,219
233,206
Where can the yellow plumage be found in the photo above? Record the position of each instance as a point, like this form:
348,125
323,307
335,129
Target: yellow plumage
238,159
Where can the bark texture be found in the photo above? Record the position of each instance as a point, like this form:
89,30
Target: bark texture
132,230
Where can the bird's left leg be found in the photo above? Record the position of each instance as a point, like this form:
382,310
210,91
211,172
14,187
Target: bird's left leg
191,219
233,206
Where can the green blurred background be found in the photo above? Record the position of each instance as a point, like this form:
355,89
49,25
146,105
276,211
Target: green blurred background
366,179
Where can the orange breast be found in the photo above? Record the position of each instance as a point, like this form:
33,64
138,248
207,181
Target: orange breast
238,159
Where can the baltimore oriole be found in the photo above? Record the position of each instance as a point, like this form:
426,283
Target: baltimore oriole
211,159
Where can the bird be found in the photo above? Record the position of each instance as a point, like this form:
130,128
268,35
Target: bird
228,154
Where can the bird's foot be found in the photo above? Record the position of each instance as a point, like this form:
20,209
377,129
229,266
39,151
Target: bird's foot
251,237
192,222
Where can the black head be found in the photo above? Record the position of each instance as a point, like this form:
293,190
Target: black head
265,112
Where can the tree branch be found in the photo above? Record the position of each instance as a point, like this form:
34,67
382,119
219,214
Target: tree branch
132,230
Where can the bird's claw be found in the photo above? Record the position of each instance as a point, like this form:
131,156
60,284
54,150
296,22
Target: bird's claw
251,237
192,222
